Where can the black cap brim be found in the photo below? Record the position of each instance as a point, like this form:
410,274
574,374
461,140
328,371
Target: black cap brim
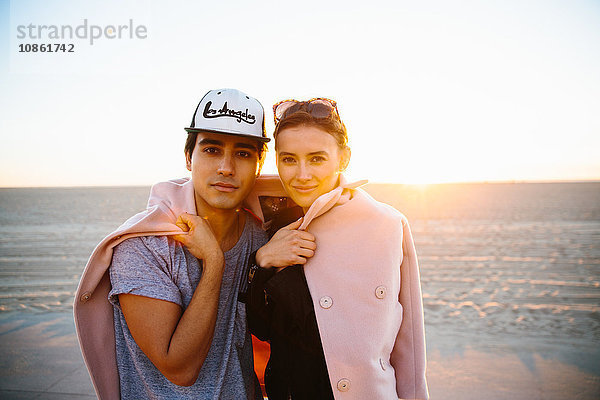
258,138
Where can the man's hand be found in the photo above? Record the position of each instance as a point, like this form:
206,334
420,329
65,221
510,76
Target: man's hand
199,240
288,246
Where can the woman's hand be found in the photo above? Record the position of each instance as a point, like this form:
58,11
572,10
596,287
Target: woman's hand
199,239
288,246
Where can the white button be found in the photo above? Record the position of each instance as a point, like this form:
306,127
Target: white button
326,302
382,364
343,385
380,292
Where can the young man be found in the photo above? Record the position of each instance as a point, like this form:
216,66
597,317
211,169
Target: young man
178,328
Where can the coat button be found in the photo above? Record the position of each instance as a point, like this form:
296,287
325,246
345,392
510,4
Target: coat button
85,297
326,302
343,385
382,364
380,292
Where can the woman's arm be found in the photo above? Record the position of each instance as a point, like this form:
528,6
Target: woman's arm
408,356
258,310
288,246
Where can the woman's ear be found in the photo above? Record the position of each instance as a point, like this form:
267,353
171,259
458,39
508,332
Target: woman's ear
345,154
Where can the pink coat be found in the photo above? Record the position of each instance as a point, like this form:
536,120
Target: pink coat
366,291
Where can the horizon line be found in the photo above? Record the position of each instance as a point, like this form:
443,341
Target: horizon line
481,182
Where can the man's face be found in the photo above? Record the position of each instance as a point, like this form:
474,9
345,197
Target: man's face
224,169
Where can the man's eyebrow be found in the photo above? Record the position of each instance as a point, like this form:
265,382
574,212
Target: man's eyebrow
241,145
205,141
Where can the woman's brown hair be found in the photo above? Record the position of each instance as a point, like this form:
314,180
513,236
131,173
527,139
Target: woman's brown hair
331,124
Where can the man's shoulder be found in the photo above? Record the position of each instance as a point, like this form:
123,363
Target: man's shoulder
158,249
150,242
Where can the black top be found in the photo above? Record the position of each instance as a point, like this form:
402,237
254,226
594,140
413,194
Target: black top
280,310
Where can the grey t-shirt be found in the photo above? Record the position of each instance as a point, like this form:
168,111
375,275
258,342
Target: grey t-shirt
161,268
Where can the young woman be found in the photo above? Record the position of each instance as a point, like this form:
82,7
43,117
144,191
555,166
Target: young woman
336,290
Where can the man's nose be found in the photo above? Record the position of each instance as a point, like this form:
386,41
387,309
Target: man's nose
226,166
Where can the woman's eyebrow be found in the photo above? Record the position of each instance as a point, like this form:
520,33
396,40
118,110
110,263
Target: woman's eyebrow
314,153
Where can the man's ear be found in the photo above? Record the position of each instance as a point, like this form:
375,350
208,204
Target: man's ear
188,162
345,158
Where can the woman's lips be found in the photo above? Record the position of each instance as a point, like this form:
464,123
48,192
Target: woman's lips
304,189
224,187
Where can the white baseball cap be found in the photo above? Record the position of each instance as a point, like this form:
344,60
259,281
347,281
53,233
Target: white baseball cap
230,112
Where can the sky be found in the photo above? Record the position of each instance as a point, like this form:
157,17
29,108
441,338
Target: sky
430,91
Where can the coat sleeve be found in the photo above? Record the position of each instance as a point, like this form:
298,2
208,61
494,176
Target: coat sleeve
408,356
258,310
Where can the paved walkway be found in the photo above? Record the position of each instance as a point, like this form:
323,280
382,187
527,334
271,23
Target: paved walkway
41,358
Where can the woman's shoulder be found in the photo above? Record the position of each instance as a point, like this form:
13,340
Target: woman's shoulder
376,208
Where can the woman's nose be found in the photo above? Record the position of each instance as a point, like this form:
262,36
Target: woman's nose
303,172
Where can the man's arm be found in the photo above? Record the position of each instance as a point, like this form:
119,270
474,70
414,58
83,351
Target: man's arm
178,341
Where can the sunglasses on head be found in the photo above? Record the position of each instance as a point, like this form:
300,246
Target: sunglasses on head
319,107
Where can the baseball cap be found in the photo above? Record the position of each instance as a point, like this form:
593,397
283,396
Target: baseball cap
230,112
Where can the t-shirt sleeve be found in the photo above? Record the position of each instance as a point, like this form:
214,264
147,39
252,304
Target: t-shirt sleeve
142,266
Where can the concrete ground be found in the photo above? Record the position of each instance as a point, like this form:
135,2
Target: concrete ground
41,360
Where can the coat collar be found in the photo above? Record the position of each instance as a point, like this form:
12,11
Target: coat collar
177,195
340,195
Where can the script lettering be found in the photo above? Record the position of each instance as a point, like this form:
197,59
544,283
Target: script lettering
227,112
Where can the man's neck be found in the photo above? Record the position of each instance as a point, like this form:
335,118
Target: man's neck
226,224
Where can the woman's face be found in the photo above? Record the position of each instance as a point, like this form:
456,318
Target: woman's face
309,161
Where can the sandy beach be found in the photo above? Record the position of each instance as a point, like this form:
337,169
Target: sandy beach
510,277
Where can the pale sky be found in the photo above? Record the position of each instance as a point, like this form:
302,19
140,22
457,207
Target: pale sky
431,91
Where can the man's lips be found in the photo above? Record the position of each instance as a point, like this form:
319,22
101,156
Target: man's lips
224,187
